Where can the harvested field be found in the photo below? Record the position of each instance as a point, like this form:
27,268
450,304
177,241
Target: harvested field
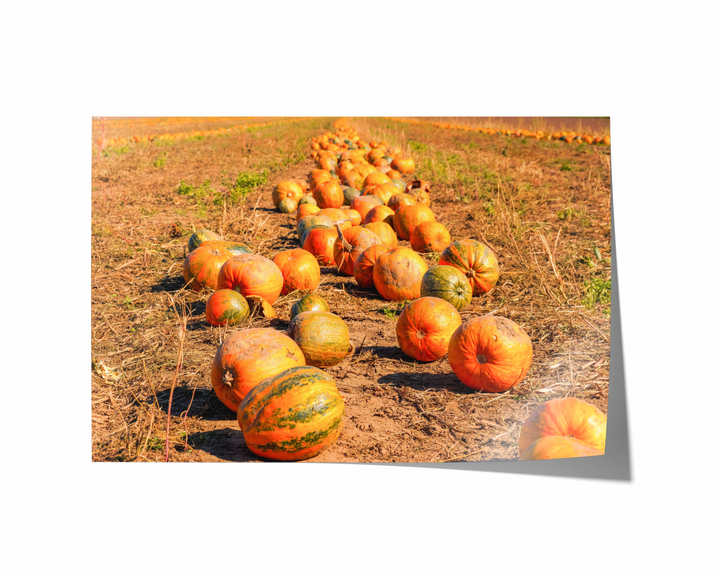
542,206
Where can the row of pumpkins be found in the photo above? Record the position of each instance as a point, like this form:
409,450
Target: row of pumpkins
290,409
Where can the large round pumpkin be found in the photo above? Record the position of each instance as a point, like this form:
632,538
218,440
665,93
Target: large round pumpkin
226,308
570,417
202,266
554,447
287,189
199,236
425,326
350,245
251,275
476,261
363,269
448,283
309,303
246,358
293,415
299,268
323,337
408,217
490,353
235,248
398,273
430,237
329,194
320,242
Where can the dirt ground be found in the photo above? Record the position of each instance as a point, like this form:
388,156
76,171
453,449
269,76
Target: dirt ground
543,207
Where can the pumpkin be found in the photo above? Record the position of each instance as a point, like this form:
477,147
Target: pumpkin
399,184
375,179
420,196
363,269
309,303
397,274
320,242
299,268
363,204
323,337
226,308
307,199
554,447
430,237
384,231
408,216
353,215
396,200
199,236
569,417
425,326
286,189
490,353
287,205
380,213
395,175
476,261
327,162
448,283
306,210
246,358
349,193
234,248
353,180
382,191
252,275
363,170
336,215
329,194
202,267
350,245
403,165
293,415
308,222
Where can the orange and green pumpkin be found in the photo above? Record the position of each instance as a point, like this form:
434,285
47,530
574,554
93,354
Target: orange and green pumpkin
199,236
490,353
425,326
226,308
308,222
398,273
202,266
349,194
448,283
306,209
309,303
396,200
323,337
476,261
293,415
286,189
235,248
246,358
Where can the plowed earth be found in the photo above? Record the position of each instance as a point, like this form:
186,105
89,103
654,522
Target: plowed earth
543,207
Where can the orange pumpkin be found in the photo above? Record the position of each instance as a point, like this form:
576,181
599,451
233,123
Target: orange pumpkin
356,240
380,213
246,358
363,269
384,231
403,165
408,216
554,447
476,261
286,189
363,204
397,200
306,210
490,353
299,268
425,326
320,242
375,179
393,174
202,267
398,274
430,237
329,194
251,275
383,191
569,417
354,215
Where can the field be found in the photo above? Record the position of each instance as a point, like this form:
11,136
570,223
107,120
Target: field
542,206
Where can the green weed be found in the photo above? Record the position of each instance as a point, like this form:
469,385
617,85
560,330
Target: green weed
159,162
597,291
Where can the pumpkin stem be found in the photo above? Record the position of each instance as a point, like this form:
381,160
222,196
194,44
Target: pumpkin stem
481,358
227,378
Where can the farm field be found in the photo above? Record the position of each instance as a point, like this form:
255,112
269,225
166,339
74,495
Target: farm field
542,206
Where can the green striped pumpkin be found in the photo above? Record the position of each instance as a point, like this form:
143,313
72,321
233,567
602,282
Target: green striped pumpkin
199,236
323,337
349,193
448,283
309,303
292,416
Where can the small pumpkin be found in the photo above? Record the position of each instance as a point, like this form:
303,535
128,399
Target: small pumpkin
380,213
490,353
287,205
199,236
430,237
349,193
299,268
306,209
309,303
399,184
555,447
476,261
383,191
398,273
251,275
307,199
407,217
425,326
363,269
569,417
448,283
246,358
293,415
323,337
286,189
202,266
226,308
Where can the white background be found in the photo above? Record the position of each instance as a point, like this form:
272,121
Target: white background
652,70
